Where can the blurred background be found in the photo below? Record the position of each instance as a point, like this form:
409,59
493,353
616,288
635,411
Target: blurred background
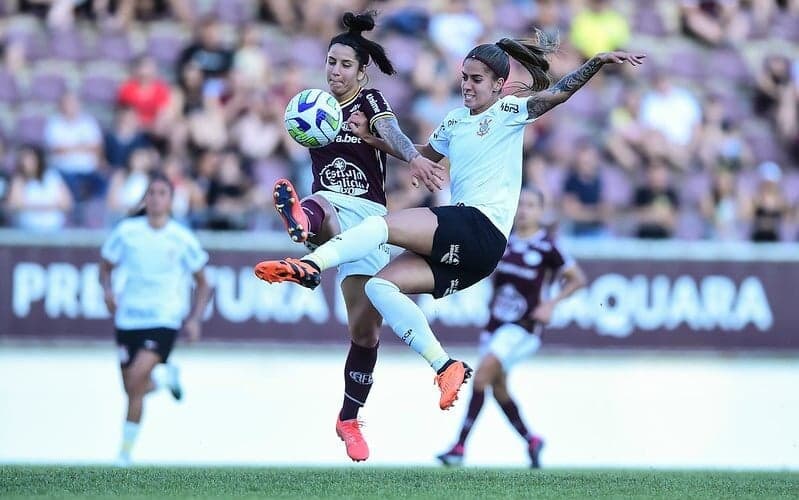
675,184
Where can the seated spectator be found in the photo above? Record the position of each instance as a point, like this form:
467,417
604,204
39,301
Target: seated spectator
673,114
625,140
74,144
229,195
714,22
599,28
258,132
582,197
38,199
430,108
251,62
455,28
767,209
656,203
129,184
145,92
188,198
718,140
125,137
208,52
721,206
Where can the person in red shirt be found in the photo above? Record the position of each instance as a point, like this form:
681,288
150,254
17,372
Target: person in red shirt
145,92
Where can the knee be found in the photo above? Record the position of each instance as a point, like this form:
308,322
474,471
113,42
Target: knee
500,391
377,286
365,334
482,380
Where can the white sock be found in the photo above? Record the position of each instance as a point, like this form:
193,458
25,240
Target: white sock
407,320
130,431
353,244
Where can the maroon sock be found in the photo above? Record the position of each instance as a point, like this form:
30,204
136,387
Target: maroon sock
512,412
475,405
357,379
315,215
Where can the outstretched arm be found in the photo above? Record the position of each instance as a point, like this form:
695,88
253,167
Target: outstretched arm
541,102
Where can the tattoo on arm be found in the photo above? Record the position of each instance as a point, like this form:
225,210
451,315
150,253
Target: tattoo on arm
389,131
541,102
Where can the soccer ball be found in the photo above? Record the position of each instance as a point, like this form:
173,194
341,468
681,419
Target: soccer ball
313,118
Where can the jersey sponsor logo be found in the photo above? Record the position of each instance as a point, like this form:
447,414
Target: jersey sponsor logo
361,377
344,177
509,304
150,344
484,128
373,103
452,257
509,107
348,139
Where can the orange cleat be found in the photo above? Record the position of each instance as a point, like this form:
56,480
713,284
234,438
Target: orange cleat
292,270
287,204
350,432
450,381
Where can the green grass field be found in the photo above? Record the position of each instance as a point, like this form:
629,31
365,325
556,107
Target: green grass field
386,483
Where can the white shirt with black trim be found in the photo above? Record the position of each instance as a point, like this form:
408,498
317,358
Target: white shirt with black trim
154,268
485,153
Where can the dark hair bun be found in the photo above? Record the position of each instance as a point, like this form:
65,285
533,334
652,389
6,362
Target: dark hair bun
356,24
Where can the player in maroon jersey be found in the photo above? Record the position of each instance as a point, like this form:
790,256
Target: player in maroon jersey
519,310
348,186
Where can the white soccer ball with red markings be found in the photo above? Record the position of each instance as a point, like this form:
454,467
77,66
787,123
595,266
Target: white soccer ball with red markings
313,118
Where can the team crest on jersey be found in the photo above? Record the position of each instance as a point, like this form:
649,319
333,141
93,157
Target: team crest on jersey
509,304
484,126
344,177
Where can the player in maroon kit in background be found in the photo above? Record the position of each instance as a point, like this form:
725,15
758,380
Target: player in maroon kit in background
348,186
519,311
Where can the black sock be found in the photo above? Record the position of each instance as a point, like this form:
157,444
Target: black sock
512,412
357,379
475,405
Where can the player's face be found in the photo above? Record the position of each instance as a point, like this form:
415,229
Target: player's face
158,199
342,70
528,214
479,88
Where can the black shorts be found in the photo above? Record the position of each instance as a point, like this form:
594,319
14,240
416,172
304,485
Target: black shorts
467,247
157,340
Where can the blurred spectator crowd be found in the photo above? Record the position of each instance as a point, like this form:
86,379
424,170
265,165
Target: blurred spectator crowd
702,141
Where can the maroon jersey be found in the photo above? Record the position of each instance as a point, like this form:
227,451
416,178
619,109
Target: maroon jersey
528,266
348,165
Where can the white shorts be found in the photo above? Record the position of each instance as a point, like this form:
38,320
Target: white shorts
510,343
351,211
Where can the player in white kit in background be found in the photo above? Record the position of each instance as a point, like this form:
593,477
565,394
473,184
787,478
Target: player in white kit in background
156,257
520,307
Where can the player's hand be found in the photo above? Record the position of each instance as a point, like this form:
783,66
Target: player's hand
358,125
429,173
620,57
110,301
193,328
543,312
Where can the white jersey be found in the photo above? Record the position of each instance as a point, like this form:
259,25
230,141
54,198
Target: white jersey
485,154
156,267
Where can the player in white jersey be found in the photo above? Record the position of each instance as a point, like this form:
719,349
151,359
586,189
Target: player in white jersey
452,247
155,257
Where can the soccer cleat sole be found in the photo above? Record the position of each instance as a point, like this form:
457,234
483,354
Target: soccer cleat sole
291,270
447,404
288,207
